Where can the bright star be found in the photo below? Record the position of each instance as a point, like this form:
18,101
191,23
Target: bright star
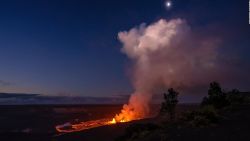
168,4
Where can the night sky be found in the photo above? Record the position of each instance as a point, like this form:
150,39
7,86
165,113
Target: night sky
70,47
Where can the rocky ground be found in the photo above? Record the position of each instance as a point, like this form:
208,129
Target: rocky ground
233,125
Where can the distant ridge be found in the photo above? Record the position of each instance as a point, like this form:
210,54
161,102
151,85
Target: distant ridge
26,98
19,95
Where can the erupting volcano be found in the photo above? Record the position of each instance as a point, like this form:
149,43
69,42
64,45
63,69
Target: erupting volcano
160,52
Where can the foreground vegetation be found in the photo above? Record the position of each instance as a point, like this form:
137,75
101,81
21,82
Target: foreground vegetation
213,111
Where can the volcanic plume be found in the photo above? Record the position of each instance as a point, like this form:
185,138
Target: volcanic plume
165,54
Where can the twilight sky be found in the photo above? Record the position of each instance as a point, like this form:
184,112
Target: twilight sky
71,47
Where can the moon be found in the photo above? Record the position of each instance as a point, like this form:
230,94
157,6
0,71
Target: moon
168,4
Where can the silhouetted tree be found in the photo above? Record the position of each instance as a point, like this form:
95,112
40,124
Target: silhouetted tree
216,96
170,102
214,90
234,97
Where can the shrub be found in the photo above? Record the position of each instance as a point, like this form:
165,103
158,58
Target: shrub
235,98
136,131
203,117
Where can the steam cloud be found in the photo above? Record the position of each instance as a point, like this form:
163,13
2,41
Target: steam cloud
165,54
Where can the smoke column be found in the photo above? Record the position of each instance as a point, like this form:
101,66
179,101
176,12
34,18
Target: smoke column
165,54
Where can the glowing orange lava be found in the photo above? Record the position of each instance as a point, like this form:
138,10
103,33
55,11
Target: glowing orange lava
113,121
68,127
127,114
